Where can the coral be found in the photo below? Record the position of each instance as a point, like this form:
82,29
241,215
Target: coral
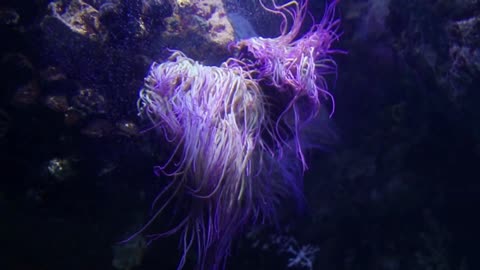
299,255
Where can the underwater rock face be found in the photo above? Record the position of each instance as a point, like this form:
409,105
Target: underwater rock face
77,16
464,52
441,40
201,28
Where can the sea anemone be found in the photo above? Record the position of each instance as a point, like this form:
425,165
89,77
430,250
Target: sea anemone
295,66
232,128
215,116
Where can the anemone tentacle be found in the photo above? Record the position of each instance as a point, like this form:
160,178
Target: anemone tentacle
236,130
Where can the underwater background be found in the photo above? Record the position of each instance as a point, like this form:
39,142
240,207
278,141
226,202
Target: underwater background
398,187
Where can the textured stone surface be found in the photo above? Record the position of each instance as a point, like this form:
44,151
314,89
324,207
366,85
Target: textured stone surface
200,28
77,16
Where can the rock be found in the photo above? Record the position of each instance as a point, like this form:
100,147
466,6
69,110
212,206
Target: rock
200,29
26,94
98,128
89,102
9,16
58,103
76,17
127,128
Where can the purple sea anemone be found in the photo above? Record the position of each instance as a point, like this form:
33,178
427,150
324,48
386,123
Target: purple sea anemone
232,161
215,116
295,66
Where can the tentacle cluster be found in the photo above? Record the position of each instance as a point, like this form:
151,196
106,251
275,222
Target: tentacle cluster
295,66
232,129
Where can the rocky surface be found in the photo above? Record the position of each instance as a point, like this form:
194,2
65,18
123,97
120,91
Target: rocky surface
200,29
